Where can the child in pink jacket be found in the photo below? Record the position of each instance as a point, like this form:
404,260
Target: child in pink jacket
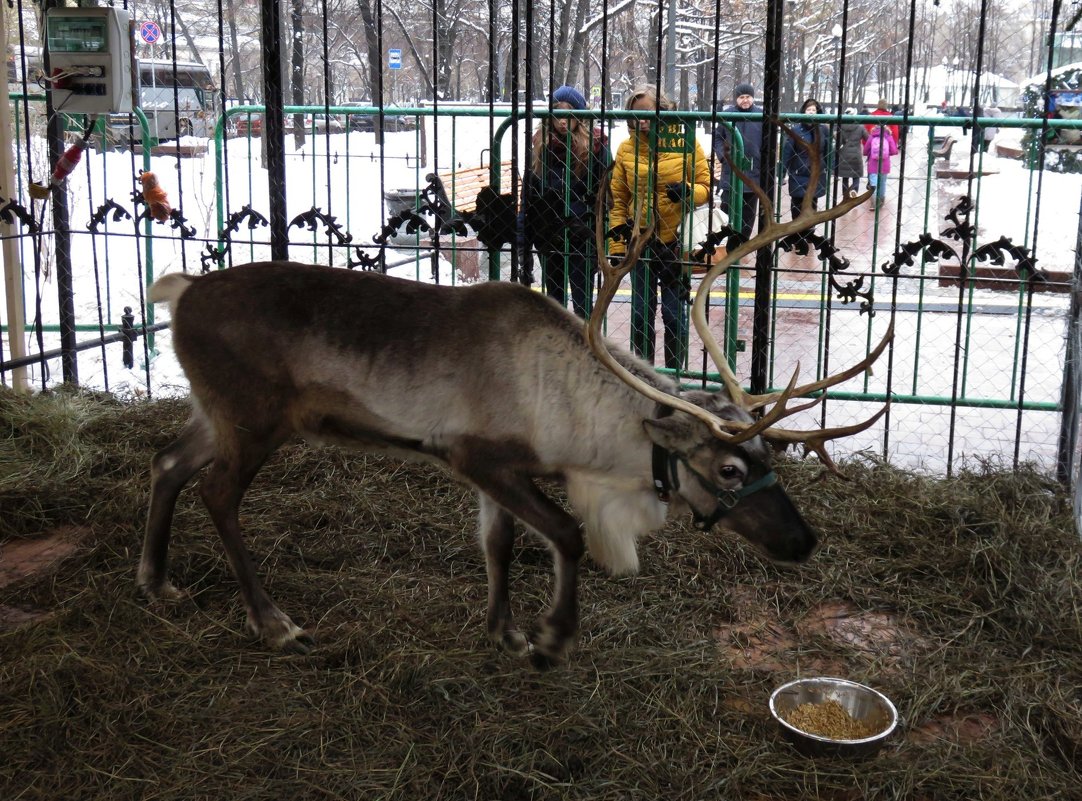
878,148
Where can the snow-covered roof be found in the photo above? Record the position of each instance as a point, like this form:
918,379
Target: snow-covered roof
938,75
1039,79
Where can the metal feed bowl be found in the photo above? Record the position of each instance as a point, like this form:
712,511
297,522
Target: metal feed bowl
861,702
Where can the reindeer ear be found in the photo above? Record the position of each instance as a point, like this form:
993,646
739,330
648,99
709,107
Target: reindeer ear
677,433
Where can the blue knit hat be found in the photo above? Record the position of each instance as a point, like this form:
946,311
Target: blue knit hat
570,95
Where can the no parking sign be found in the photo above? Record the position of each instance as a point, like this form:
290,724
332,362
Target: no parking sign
150,32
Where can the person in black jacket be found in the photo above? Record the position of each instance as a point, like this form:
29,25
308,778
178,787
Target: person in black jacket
559,190
797,160
751,134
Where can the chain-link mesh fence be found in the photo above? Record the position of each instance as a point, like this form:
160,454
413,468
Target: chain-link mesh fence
409,139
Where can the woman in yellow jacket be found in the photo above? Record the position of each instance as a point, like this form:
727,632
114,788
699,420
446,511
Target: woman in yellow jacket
657,170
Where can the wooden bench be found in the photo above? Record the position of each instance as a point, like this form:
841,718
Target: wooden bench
459,190
943,150
461,186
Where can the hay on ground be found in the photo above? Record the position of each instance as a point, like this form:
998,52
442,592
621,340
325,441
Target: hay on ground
960,599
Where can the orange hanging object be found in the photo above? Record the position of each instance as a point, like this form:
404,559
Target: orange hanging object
155,197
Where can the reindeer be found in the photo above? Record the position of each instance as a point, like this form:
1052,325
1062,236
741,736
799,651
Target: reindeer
496,383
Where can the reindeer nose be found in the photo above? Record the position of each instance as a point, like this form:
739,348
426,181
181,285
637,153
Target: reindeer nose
802,545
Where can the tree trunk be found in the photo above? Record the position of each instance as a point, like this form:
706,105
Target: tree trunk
445,53
578,48
534,53
561,64
296,26
196,56
374,62
238,73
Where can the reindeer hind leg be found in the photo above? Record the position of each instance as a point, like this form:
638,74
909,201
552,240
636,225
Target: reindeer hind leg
497,536
236,464
170,471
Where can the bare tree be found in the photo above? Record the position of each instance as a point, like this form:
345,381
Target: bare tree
296,24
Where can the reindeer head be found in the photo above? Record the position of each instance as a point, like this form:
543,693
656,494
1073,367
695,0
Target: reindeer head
709,448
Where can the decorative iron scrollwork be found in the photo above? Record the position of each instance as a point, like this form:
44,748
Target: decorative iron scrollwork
434,198
98,217
709,245
315,216
177,220
367,263
931,248
803,242
413,222
963,231
12,211
1024,262
214,255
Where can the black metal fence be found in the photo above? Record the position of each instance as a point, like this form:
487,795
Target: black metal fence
366,137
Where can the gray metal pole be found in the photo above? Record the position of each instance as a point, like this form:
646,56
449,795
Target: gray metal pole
670,52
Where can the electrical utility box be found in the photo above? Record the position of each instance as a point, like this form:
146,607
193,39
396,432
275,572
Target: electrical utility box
89,56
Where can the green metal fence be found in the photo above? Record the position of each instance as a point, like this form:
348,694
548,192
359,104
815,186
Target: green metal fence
974,372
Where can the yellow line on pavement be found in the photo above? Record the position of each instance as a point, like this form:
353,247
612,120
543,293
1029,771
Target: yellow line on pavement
751,295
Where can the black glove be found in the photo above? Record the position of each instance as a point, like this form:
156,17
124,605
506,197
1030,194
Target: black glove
678,193
620,233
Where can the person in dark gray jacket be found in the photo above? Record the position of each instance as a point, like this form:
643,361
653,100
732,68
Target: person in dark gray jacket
851,136
751,133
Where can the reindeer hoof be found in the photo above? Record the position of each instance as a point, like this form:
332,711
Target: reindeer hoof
301,644
281,633
514,642
163,591
547,649
295,640
543,662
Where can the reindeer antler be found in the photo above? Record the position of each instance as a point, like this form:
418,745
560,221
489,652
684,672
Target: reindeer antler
771,232
732,430
612,275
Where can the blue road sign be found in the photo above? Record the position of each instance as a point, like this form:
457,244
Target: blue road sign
394,58
149,32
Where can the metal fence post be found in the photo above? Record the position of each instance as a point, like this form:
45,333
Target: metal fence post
1067,467
760,326
274,127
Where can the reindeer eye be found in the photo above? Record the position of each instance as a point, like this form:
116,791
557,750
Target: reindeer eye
730,473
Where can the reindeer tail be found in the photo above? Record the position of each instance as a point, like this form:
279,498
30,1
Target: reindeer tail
169,288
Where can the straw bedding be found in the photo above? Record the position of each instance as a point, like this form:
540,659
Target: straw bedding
960,599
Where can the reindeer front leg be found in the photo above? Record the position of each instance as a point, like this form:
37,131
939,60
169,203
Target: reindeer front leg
502,473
